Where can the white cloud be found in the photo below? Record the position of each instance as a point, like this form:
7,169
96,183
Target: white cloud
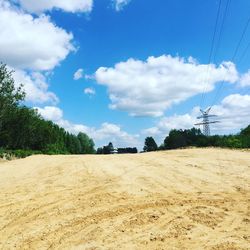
89,91
106,133
50,113
35,87
233,114
38,6
89,77
73,127
78,74
31,43
120,4
165,124
154,131
245,79
114,133
148,88
30,46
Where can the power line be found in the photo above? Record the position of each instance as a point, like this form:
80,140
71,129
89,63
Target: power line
222,25
211,52
220,34
233,58
244,52
231,117
240,60
241,38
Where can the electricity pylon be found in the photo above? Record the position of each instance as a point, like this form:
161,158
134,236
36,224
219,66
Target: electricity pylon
205,121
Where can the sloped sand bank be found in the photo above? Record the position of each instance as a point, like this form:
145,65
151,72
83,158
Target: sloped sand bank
182,199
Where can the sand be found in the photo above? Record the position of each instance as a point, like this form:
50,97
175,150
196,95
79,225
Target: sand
182,199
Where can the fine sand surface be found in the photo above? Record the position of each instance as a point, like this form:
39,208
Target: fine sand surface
182,199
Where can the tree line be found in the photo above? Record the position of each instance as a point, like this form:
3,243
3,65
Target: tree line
109,149
194,138
22,128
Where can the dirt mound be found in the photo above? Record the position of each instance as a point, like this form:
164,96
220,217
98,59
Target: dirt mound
183,199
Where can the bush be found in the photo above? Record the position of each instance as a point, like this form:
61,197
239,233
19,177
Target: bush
19,153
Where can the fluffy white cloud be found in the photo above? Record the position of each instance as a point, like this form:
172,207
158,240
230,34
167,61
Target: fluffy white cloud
78,74
233,114
106,133
73,127
89,91
148,88
119,4
113,132
74,6
245,79
35,87
165,124
30,46
31,43
50,113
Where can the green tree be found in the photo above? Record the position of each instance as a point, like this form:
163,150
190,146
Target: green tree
108,149
175,139
183,138
245,131
110,146
150,144
10,95
99,151
23,128
87,144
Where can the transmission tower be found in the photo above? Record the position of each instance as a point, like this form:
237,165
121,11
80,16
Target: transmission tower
205,121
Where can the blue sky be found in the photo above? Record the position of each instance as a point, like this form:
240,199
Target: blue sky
144,64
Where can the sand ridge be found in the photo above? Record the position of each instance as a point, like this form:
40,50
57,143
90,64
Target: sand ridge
180,199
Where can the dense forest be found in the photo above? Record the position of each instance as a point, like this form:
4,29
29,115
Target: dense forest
194,138
23,131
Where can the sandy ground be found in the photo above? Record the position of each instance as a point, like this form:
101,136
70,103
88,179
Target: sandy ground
183,199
